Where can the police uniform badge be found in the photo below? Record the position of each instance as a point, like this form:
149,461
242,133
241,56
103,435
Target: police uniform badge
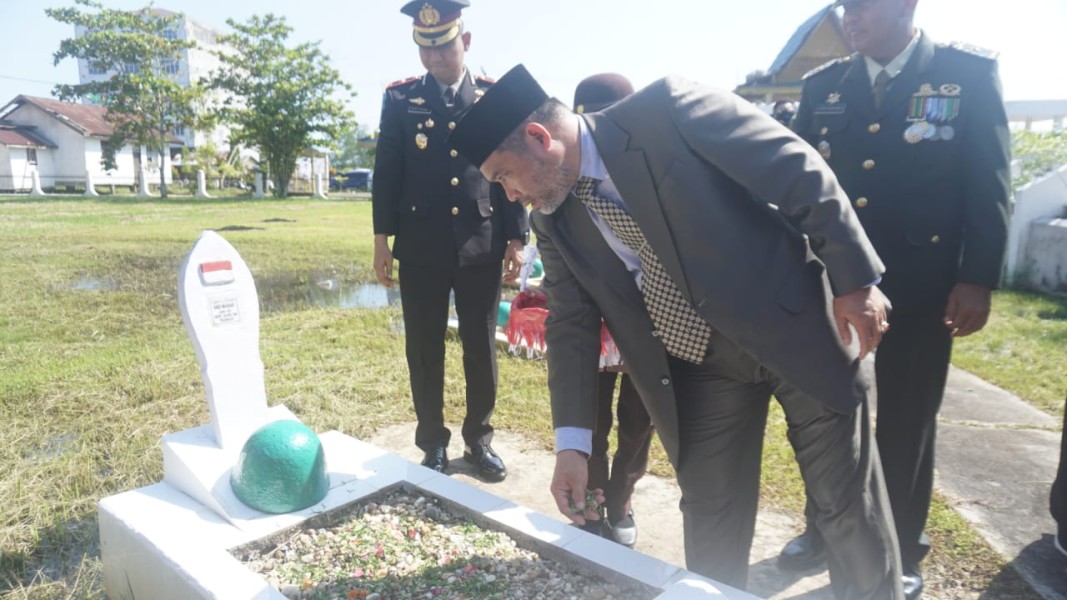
421,141
831,106
930,112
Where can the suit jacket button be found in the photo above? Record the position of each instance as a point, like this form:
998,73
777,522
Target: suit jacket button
455,181
453,153
935,240
412,209
665,381
874,127
455,211
451,124
868,164
861,202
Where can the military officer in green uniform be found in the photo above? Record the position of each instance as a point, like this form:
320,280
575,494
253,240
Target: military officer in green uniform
451,231
916,133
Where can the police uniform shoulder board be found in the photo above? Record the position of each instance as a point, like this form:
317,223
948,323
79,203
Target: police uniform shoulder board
827,65
973,50
400,82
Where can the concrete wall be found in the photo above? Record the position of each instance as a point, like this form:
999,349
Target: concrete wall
1045,261
1044,198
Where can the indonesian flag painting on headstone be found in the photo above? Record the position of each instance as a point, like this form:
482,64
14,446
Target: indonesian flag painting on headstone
216,272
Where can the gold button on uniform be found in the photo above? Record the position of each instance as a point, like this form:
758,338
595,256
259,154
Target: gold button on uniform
868,164
451,124
861,202
455,181
455,211
453,153
874,127
935,240
824,131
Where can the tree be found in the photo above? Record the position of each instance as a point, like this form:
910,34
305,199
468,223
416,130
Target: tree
144,102
279,100
356,150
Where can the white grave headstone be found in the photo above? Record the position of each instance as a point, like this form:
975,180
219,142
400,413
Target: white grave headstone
218,301
90,186
201,184
259,184
144,183
35,181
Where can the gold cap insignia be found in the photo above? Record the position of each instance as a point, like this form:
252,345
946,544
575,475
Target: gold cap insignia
429,15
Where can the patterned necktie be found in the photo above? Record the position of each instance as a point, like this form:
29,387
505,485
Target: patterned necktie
881,82
684,333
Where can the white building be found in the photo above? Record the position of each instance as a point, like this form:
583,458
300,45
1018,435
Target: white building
64,144
195,63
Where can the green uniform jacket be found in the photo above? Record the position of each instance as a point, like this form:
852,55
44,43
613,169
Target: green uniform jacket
927,172
441,209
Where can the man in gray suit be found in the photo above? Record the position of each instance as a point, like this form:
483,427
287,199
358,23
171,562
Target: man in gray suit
700,230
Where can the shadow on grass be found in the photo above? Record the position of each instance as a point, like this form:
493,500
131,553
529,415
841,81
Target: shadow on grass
62,557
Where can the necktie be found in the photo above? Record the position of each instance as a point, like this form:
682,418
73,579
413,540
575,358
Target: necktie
450,97
881,82
684,333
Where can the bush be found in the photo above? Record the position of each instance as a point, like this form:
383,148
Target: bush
1038,154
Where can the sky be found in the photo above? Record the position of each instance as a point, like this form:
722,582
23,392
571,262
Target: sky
563,41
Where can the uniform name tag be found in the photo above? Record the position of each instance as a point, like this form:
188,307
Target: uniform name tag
830,109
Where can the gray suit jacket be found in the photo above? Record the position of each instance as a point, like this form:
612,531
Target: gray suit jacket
737,207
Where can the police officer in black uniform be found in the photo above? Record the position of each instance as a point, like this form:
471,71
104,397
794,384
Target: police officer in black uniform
916,133
451,231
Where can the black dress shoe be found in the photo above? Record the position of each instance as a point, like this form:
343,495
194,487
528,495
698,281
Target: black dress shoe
436,459
486,462
913,584
623,531
804,552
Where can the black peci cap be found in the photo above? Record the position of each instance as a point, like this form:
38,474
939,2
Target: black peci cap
600,91
504,107
437,22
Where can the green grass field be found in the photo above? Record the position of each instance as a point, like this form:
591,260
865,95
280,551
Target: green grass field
95,366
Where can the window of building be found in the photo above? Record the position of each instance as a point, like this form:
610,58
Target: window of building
170,65
95,69
31,156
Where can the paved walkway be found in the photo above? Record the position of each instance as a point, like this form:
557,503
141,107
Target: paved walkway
997,457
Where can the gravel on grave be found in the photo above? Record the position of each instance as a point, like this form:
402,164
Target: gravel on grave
406,545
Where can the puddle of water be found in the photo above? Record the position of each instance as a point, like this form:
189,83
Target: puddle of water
53,447
321,291
93,284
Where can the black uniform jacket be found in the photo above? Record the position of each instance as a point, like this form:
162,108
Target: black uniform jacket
440,207
927,172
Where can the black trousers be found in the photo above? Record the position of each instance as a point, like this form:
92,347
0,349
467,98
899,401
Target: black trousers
1058,496
911,368
722,413
634,435
424,296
